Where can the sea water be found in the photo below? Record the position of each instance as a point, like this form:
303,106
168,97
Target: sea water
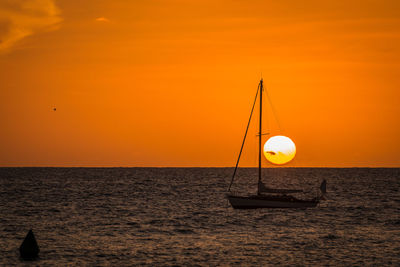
180,216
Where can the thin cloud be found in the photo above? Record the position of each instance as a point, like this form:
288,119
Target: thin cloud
102,19
22,18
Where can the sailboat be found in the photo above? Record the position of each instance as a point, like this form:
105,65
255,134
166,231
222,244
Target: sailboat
267,197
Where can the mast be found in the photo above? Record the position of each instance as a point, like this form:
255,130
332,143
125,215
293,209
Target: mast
259,136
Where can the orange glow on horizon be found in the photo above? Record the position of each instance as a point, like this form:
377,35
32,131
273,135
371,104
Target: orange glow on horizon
171,83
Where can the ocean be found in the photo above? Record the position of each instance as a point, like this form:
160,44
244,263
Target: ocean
180,216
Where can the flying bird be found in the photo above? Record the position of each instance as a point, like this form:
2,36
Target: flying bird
54,109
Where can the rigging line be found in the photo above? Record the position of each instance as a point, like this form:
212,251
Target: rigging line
274,113
267,116
244,139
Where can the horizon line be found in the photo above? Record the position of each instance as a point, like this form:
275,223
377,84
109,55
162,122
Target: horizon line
203,167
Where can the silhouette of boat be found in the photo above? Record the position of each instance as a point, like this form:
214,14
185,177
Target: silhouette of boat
267,197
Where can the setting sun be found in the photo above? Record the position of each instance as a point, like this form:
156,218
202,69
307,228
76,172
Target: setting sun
279,149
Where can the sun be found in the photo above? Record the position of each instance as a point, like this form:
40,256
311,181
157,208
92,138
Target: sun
279,149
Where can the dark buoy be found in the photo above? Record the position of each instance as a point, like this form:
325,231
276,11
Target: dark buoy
29,248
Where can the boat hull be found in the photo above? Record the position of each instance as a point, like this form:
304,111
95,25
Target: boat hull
256,202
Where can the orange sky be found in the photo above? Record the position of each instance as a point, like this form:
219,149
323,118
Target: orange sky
171,83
